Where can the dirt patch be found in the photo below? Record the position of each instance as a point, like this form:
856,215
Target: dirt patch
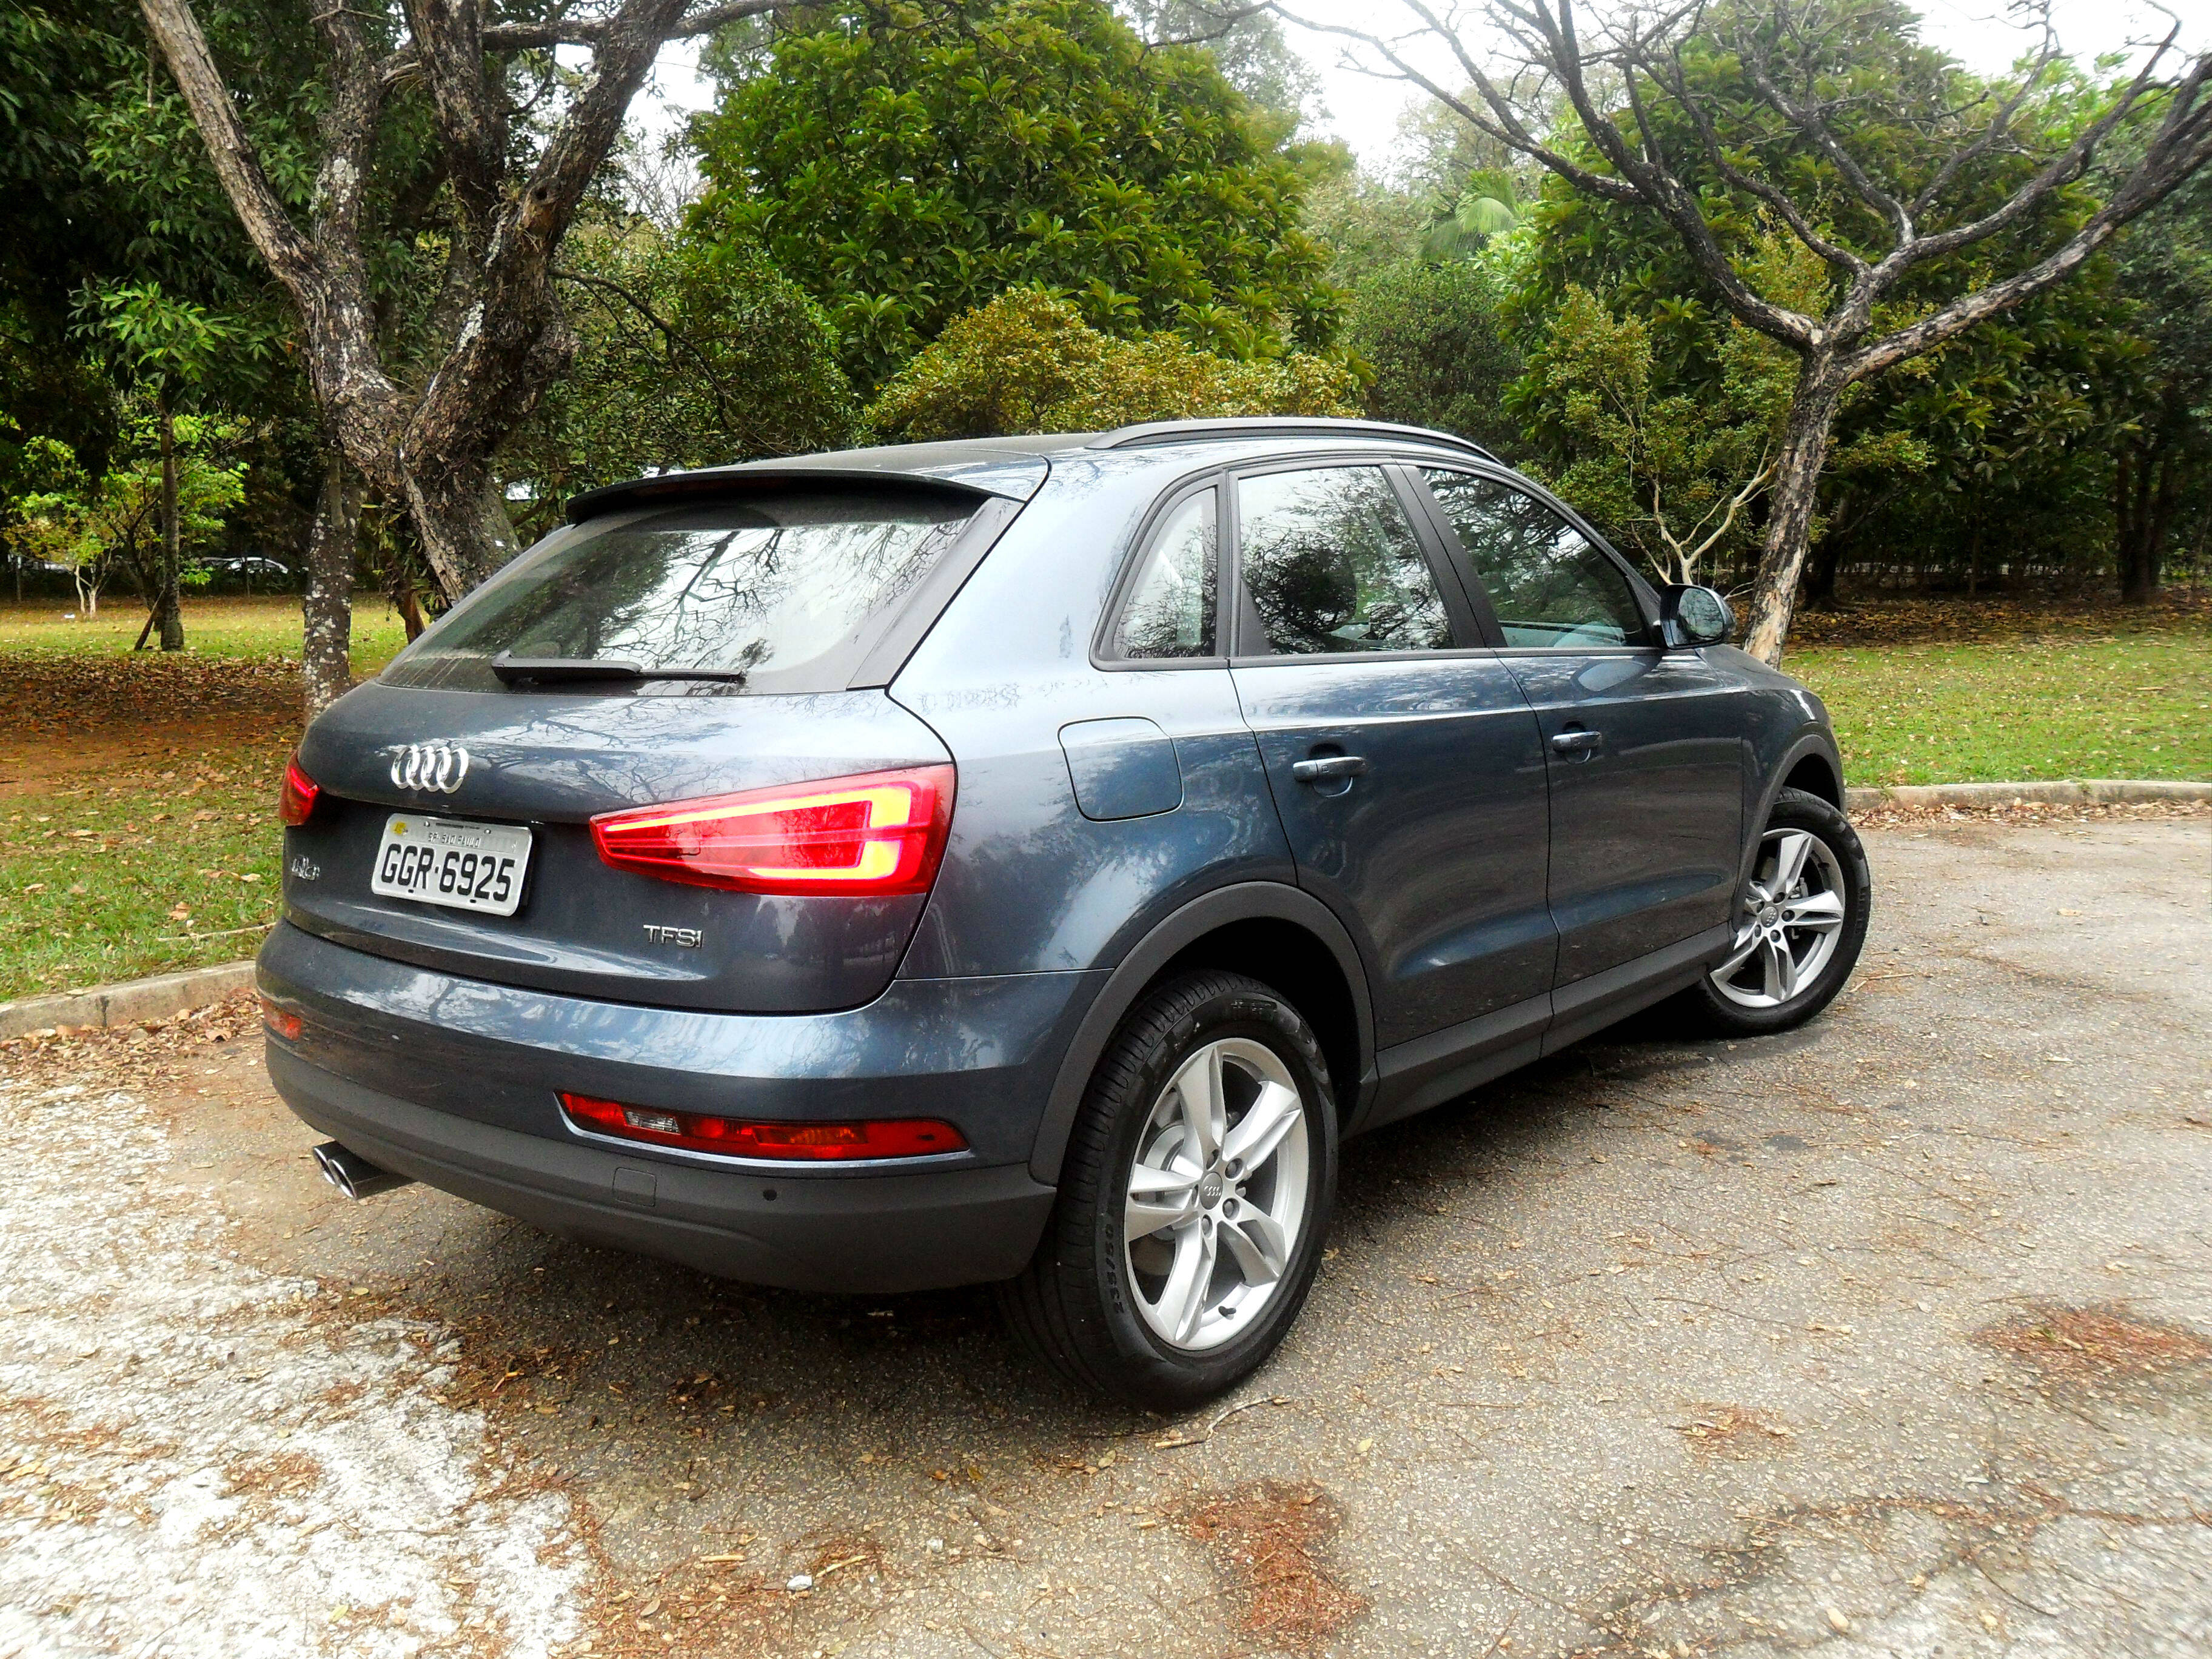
1266,1539
2085,1346
2029,814
1943,620
1733,1431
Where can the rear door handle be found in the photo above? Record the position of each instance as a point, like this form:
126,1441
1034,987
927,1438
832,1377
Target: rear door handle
1578,743
1327,767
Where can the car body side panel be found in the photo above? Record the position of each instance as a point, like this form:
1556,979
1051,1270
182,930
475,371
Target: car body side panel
1029,883
1645,832
1435,855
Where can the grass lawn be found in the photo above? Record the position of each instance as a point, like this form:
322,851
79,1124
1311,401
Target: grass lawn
263,626
2122,706
137,792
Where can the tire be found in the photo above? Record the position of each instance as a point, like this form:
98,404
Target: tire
1751,992
1132,1319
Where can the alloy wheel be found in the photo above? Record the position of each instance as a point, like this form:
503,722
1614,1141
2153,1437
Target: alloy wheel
1217,1195
1792,916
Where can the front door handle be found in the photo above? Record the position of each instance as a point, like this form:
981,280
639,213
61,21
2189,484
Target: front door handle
1327,767
1579,744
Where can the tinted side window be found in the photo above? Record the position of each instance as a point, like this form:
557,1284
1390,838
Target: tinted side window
1170,608
1330,563
1547,584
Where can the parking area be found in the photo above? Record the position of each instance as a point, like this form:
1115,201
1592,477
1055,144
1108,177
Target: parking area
1891,1336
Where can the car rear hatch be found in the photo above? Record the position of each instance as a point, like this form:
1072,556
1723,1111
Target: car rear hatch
664,654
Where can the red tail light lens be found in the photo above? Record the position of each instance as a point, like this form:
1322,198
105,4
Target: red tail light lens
297,801
797,1143
281,1021
871,836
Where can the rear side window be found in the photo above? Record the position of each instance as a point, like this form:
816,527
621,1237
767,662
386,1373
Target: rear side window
1329,563
787,590
1548,585
1170,608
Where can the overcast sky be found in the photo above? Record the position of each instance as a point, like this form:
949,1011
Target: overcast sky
1365,112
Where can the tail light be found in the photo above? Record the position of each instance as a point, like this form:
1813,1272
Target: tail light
872,835
797,1143
282,1021
296,802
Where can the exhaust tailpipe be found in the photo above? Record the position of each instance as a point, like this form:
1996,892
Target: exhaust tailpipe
354,1174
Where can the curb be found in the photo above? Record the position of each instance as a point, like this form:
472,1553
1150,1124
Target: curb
1915,797
128,1002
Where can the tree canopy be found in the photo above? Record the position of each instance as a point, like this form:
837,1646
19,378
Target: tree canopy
906,164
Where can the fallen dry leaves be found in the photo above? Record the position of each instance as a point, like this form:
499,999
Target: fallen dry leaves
1266,1539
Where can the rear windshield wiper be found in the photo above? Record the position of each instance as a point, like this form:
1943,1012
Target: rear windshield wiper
557,671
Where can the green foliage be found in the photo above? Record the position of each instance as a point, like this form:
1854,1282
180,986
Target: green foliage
1994,440
904,165
1431,336
685,357
92,524
1028,362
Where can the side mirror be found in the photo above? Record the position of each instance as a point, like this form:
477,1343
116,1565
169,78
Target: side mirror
1693,617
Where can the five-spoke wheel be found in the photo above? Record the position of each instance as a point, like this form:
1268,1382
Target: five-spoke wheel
1217,1194
1800,920
1192,1199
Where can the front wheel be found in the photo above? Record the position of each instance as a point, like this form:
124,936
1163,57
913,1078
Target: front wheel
1799,923
1193,1198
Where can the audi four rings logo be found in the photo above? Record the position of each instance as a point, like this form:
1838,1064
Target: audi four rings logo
439,766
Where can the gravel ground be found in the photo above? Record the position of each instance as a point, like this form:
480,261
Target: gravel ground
1892,1336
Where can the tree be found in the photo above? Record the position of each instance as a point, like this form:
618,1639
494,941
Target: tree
2163,458
168,348
163,499
508,180
1431,334
906,166
686,356
1027,362
1878,155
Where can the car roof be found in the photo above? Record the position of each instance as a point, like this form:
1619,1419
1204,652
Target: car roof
1017,467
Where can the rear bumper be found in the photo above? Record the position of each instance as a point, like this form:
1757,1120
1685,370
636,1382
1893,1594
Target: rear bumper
455,1082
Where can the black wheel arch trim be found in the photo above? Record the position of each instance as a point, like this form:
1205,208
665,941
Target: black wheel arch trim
1251,900
1814,741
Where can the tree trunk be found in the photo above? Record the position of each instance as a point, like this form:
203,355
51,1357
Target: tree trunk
1790,509
326,609
461,520
168,606
2132,519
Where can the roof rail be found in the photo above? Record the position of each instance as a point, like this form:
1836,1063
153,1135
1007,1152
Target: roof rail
1149,434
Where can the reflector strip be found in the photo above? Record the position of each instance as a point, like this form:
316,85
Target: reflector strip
699,1131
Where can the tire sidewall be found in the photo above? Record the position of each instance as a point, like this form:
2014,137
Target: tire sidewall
1251,1012
1796,809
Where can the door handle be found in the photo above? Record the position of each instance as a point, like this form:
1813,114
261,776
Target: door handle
1578,744
1327,767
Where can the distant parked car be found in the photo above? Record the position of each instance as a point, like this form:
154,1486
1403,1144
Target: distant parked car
1025,859
249,570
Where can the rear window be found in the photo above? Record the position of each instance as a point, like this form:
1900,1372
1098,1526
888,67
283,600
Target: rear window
786,591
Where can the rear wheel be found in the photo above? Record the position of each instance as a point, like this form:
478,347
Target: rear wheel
1196,1189
1799,923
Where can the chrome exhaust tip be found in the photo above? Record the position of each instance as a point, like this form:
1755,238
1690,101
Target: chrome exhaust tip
354,1174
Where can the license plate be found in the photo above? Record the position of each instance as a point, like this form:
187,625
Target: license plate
450,861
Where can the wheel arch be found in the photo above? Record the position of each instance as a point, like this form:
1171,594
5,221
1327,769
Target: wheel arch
1277,934
1810,762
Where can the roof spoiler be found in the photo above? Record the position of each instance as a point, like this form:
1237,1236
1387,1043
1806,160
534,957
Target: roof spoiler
1150,433
725,482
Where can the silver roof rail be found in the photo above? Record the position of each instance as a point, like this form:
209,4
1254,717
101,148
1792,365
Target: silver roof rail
1150,433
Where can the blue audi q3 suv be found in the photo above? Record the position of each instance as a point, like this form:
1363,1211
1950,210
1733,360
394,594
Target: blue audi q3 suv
1026,860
